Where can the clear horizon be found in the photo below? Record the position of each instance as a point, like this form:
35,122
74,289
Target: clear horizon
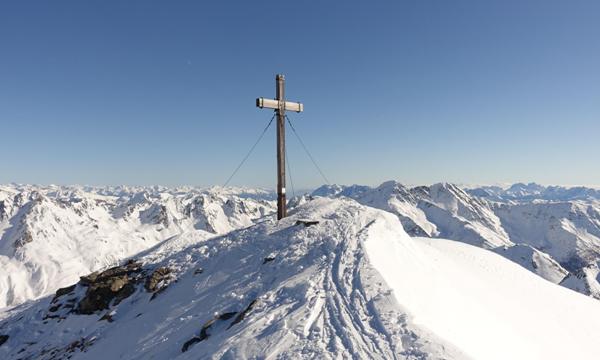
304,189
154,92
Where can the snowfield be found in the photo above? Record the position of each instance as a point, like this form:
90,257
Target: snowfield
484,304
334,280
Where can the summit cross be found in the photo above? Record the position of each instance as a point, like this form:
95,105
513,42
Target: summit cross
280,105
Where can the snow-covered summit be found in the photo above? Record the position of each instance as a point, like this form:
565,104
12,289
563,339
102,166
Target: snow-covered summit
336,279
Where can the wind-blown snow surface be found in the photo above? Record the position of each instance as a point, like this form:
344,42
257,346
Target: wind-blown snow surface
487,306
49,236
355,285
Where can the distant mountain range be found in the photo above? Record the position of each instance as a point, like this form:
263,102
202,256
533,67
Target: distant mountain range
51,235
532,191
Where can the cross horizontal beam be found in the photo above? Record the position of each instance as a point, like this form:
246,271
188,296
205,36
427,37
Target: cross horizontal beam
279,105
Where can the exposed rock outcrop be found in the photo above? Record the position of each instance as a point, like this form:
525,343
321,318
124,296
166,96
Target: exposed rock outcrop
156,281
109,287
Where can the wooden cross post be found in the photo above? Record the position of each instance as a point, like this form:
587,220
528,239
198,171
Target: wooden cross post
280,106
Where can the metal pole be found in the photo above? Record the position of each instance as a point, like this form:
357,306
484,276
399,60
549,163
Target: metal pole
280,95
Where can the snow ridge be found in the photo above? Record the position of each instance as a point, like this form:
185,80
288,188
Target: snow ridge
305,291
555,239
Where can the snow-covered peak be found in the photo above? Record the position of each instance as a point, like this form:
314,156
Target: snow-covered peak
523,190
340,190
450,197
328,190
334,280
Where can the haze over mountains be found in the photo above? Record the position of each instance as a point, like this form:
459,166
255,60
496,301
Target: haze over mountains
352,283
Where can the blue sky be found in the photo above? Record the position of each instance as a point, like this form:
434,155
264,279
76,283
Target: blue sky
162,92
